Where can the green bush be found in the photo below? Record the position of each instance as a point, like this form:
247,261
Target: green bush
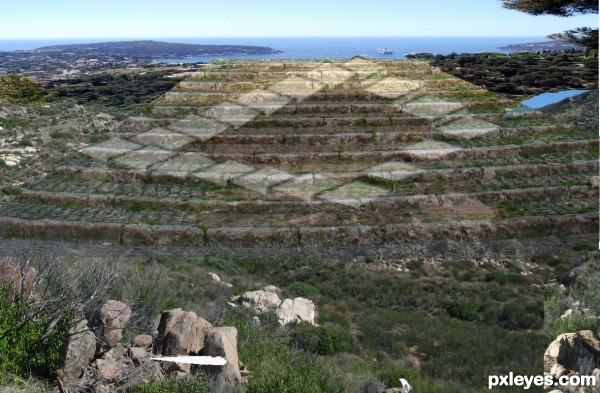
12,190
189,385
304,289
27,344
323,340
19,89
61,135
575,322
464,309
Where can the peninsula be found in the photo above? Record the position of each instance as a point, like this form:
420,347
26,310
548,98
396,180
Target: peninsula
45,62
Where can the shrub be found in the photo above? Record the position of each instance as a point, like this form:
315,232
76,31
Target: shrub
186,385
12,190
326,340
575,322
29,343
306,290
61,135
464,309
19,89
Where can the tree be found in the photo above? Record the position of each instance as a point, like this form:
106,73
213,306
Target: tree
583,36
19,89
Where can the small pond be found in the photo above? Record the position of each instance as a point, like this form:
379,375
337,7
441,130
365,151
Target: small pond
544,99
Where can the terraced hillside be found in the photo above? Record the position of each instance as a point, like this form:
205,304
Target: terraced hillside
356,153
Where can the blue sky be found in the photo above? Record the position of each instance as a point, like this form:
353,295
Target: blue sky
25,19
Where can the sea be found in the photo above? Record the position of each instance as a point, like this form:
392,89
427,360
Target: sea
314,47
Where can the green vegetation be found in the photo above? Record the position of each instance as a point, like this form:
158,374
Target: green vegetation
18,89
582,289
12,123
117,91
523,73
12,190
26,344
583,36
61,135
191,385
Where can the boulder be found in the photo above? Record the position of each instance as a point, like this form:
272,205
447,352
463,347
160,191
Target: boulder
222,342
570,350
138,355
260,301
215,277
109,370
79,352
110,322
181,333
142,341
297,310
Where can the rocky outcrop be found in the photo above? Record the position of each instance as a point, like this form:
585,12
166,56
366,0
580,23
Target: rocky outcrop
98,362
110,322
573,354
288,310
260,301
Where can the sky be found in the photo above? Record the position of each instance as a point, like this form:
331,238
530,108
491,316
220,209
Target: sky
45,19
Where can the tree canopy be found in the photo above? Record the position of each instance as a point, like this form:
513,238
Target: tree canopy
553,7
583,36
18,89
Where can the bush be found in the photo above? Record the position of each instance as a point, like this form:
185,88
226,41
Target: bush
12,190
61,135
189,385
464,309
304,289
29,343
18,89
326,340
575,322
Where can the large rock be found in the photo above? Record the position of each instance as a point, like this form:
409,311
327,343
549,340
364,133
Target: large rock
222,342
181,333
79,352
260,301
110,322
297,310
570,350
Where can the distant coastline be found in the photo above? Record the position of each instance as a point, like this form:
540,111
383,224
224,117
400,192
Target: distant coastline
552,46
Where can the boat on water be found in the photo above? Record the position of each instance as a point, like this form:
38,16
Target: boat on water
385,51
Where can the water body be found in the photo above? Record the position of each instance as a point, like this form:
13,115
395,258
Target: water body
315,47
545,99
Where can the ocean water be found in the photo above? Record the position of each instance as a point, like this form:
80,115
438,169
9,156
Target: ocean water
316,47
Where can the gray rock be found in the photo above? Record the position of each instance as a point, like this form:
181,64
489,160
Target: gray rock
260,301
297,310
79,352
223,342
570,350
